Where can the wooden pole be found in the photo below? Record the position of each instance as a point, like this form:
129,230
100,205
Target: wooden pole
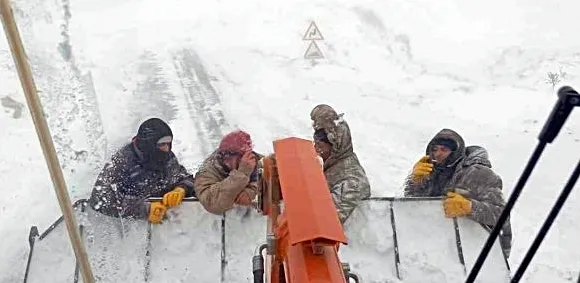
42,130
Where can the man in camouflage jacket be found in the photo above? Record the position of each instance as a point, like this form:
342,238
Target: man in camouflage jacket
464,175
344,174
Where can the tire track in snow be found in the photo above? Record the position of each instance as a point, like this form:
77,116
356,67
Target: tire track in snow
151,95
204,107
203,102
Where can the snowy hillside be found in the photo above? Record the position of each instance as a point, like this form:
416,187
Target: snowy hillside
399,70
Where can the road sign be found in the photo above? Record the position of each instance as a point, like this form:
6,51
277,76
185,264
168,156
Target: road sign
313,33
313,51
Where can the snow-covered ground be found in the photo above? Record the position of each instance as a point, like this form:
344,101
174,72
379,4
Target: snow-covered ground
399,70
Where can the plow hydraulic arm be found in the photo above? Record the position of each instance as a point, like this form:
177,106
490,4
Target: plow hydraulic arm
304,231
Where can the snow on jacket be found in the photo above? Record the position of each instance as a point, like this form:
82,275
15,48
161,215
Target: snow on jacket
217,188
124,184
468,172
344,174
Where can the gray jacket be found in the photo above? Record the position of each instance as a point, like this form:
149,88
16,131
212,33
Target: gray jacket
467,172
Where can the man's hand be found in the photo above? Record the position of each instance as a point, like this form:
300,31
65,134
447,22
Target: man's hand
244,199
456,205
156,212
174,198
422,169
247,163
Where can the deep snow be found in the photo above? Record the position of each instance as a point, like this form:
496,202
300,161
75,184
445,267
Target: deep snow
399,70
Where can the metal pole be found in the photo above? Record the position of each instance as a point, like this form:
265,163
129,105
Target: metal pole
42,130
568,98
547,224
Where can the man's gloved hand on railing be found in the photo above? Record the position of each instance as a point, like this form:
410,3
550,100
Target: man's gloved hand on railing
174,198
156,212
456,205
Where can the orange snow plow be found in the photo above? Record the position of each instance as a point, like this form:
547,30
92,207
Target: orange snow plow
304,234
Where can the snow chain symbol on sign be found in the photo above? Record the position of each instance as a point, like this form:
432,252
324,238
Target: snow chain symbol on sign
312,34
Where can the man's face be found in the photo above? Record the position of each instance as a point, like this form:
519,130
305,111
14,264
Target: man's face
232,160
164,143
323,149
440,153
164,146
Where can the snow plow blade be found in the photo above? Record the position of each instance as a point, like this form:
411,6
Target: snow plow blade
389,240
186,247
51,257
410,240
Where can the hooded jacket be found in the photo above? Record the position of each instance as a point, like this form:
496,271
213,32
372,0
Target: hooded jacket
140,170
467,171
127,181
344,174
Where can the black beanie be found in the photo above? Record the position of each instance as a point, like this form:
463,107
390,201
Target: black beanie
151,131
449,143
320,135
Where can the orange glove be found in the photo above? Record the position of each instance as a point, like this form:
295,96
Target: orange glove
156,212
422,169
174,198
456,205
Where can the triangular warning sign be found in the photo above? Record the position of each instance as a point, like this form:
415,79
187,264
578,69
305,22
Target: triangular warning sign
313,33
313,51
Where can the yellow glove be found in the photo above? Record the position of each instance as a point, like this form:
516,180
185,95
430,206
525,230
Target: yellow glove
422,169
156,212
456,205
174,197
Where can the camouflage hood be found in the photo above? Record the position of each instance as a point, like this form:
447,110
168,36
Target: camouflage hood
344,174
447,134
324,117
337,131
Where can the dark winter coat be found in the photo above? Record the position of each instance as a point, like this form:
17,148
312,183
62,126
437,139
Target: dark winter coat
344,174
124,183
467,171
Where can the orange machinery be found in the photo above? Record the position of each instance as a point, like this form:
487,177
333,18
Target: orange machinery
304,231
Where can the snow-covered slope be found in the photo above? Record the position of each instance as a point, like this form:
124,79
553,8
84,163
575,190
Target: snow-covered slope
399,70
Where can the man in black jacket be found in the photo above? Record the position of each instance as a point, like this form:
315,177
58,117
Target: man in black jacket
145,167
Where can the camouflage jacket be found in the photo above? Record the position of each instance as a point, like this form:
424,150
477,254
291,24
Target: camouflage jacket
468,173
124,184
344,174
217,189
